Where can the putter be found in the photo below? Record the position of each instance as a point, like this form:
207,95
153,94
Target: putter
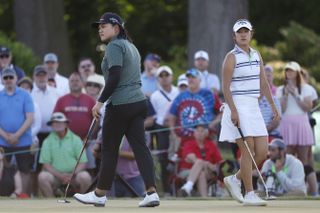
255,164
89,135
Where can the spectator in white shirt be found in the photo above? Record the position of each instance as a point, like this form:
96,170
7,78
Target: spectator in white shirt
51,63
27,84
208,80
46,98
161,101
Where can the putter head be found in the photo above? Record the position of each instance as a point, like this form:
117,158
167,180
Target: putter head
270,197
63,201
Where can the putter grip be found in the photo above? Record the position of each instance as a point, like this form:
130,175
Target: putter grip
240,131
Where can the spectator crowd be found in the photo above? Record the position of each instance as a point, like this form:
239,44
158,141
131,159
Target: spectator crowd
45,118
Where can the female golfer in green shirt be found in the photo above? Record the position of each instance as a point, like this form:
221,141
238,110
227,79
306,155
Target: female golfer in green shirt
125,111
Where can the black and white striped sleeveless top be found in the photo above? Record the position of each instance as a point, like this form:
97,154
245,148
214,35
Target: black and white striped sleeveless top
246,75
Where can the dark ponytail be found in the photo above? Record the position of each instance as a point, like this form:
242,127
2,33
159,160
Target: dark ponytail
123,34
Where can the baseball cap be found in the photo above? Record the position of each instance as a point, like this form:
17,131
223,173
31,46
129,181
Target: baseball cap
277,143
268,68
50,57
98,79
4,50
164,69
242,23
109,18
182,80
57,117
8,72
27,80
153,57
193,73
201,54
39,68
293,66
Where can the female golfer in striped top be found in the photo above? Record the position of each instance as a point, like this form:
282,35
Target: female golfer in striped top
243,83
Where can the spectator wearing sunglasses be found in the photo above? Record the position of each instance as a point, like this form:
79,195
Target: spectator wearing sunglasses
6,62
16,117
161,101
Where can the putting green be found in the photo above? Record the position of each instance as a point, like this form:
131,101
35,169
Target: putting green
166,206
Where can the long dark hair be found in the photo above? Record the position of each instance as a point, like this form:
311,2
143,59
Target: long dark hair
123,34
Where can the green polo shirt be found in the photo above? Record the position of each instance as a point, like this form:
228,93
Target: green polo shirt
121,52
62,154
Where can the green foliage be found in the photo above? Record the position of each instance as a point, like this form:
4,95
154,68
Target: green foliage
178,60
302,45
22,55
267,53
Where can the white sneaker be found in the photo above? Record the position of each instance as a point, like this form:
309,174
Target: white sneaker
150,200
253,200
185,192
91,198
234,188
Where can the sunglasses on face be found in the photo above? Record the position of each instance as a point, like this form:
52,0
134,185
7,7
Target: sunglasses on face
93,85
85,66
4,56
8,77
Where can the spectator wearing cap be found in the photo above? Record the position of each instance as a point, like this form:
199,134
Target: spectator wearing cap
268,70
193,106
94,85
6,62
16,117
266,109
59,155
283,173
46,98
182,83
297,99
199,161
148,77
50,61
208,80
296,102
161,101
27,84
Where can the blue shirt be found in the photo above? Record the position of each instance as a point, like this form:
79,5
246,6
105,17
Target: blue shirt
149,84
13,109
267,113
191,109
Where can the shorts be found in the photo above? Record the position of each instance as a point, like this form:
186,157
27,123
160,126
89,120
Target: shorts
251,120
24,160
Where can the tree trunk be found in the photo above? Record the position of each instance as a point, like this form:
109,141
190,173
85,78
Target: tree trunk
41,26
210,28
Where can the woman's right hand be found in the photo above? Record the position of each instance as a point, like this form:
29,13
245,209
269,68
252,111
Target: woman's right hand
235,118
96,110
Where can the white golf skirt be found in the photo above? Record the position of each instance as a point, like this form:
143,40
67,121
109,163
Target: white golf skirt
251,120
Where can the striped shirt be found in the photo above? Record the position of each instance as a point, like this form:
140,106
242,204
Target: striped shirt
246,75
267,113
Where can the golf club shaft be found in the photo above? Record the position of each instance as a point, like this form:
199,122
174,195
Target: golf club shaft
254,162
91,128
